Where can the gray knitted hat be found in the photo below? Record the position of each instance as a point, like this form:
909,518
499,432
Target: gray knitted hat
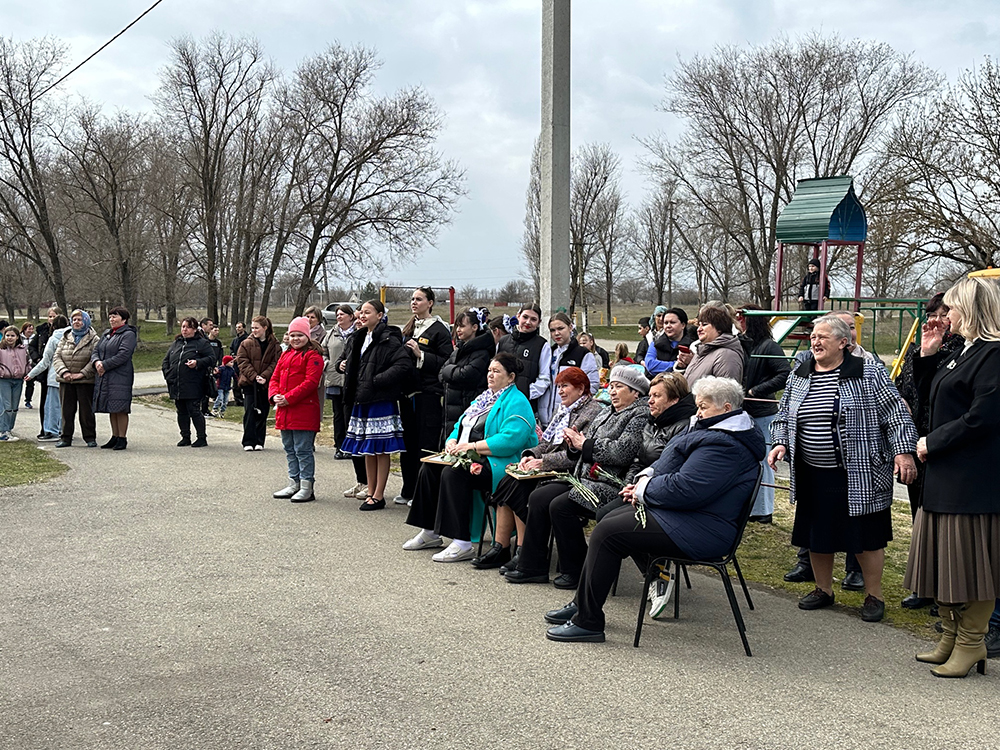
632,376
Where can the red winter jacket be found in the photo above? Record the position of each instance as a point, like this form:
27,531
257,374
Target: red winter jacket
296,377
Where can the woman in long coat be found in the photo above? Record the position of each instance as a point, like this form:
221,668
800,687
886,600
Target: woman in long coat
112,358
185,368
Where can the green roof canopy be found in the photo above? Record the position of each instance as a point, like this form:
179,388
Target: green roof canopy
823,208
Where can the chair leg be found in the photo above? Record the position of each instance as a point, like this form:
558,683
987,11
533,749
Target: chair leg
677,590
734,605
743,583
687,578
642,608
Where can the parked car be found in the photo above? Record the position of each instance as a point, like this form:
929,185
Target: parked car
330,312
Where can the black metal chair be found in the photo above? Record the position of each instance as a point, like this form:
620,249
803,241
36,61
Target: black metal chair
720,564
488,508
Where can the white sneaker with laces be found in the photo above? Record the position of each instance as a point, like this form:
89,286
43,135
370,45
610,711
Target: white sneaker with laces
454,553
353,491
664,592
422,541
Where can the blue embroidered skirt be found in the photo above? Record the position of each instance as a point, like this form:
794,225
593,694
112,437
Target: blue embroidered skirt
374,428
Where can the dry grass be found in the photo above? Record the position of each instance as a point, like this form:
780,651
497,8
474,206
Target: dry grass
25,463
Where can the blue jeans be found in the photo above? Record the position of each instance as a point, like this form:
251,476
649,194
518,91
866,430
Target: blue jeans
53,411
222,401
10,398
764,504
995,617
298,445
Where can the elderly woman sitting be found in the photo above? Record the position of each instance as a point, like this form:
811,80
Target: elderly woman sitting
615,439
693,495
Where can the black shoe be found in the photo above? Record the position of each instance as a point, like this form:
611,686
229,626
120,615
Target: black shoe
111,443
873,610
916,602
377,505
800,574
200,443
64,444
938,627
816,599
566,581
91,443
570,633
993,642
512,565
183,442
495,556
562,615
341,456
934,612
520,576
121,445
761,519
853,581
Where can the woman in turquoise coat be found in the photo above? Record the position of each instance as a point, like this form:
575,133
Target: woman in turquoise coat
497,426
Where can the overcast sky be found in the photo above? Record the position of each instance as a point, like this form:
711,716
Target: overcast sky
480,62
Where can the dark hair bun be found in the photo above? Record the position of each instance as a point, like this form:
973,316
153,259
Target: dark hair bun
509,362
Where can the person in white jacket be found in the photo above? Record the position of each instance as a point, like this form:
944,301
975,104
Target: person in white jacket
52,426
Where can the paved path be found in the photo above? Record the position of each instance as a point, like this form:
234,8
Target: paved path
159,598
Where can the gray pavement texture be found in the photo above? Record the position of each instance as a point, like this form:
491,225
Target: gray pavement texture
160,598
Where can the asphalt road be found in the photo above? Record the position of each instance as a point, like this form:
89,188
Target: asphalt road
160,598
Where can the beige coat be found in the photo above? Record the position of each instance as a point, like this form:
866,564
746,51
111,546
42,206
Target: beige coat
73,357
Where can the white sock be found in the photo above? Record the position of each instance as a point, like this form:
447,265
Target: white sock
426,535
464,546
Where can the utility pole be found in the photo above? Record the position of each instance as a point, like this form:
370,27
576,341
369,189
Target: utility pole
554,277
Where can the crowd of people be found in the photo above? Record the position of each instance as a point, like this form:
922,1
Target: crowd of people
660,450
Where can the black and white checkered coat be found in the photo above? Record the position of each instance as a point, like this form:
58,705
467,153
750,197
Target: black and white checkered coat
873,427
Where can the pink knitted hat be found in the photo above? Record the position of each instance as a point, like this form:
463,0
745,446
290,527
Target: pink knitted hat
300,325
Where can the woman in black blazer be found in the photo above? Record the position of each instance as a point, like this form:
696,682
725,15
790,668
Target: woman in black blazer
955,551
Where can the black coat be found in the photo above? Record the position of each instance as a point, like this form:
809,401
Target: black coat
185,382
764,375
659,431
464,376
113,389
36,346
435,344
964,441
382,372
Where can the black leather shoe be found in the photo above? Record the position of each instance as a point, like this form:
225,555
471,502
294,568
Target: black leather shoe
566,581
184,442
520,576
562,615
873,610
376,505
64,444
816,599
570,633
993,642
121,445
341,456
512,565
762,519
916,602
200,443
111,443
495,556
853,581
800,574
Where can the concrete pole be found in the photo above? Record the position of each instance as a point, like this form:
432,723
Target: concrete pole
554,279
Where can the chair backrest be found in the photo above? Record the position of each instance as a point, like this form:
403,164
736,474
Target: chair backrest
744,517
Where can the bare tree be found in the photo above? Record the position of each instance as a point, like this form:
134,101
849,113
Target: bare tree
596,176
653,238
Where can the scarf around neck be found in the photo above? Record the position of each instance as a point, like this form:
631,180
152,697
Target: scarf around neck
78,335
554,432
484,402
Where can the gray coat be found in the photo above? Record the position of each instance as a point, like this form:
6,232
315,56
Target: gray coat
555,457
615,441
113,389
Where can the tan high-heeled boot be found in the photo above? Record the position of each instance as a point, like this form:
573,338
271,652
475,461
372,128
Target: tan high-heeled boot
949,627
970,648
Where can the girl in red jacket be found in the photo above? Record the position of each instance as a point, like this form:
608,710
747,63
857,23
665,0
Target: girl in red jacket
294,390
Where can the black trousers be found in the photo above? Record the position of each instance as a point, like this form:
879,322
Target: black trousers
256,407
617,536
188,412
448,510
341,418
29,391
515,493
42,381
422,415
550,509
78,396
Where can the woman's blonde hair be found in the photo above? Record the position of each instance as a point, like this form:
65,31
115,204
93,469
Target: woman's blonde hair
978,304
675,385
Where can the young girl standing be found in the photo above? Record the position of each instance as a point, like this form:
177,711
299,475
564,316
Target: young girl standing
375,365
294,390
13,368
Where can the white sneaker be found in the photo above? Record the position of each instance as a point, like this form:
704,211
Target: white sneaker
362,493
422,541
353,490
665,590
248,448
400,500
454,553
258,447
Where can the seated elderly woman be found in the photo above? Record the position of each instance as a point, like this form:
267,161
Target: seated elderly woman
616,436
498,425
693,495
577,410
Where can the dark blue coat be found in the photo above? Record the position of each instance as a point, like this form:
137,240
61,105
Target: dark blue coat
701,482
113,389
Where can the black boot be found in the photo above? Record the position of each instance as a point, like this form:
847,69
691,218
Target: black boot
184,441
121,445
111,443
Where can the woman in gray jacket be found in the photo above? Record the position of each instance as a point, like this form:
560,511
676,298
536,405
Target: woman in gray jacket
112,359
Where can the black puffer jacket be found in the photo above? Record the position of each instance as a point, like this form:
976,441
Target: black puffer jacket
661,430
765,373
185,382
384,369
464,376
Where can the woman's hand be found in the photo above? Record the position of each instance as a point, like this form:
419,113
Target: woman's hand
280,400
529,464
449,447
260,380
99,366
777,454
414,347
931,337
342,366
628,494
905,469
192,363
684,358
922,449
574,438
462,448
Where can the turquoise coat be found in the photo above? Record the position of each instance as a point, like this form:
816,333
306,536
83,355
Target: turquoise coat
510,429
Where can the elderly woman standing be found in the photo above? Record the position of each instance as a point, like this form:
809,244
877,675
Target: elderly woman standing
75,373
718,353
112,358
955,550
839,421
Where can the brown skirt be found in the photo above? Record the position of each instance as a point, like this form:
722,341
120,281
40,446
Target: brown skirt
954,557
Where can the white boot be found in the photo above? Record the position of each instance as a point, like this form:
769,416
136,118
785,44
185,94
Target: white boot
305,494
291,489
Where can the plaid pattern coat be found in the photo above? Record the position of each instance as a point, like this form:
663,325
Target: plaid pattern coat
873,427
